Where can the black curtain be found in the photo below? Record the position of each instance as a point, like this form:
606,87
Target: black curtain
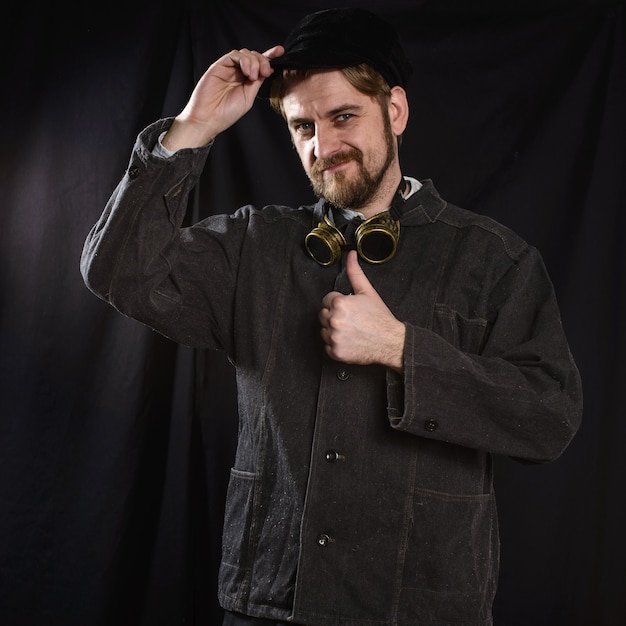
115,443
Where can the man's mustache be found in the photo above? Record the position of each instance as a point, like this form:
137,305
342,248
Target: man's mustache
322,164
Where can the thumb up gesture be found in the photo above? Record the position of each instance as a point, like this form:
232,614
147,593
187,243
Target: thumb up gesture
360,328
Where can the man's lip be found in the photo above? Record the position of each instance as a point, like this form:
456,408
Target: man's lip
336,166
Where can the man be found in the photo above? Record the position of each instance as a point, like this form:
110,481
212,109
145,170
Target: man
386,343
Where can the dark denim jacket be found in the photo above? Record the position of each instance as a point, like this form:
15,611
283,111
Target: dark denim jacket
357,496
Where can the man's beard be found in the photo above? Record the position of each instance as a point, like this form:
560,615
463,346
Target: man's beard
352,193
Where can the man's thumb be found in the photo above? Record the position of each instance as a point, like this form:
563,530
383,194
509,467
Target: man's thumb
356,276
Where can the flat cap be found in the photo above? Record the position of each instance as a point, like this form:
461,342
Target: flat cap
345,37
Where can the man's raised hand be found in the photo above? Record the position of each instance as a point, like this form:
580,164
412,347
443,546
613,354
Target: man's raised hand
222,96
360,328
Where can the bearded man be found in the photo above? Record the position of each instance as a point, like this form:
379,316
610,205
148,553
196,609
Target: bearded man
386,343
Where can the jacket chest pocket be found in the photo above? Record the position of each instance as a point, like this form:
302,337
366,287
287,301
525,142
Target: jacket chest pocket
467,334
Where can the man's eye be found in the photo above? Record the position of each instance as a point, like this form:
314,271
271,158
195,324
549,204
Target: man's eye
344,117
304,128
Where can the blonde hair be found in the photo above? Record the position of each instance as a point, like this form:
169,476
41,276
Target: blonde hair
362,77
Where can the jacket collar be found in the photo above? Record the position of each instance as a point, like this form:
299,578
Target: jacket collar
422,207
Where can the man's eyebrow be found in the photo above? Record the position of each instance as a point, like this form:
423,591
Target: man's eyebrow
296,121
343,108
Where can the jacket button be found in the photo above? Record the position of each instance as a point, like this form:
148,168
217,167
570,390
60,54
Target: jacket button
133,171
343,374
323,540
430,425
332,456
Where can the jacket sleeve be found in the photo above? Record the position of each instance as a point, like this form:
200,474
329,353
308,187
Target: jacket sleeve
139,259
521,396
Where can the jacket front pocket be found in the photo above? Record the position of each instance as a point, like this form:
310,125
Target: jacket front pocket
452,561
236,534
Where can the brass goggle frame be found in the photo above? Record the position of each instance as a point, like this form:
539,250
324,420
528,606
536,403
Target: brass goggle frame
376,240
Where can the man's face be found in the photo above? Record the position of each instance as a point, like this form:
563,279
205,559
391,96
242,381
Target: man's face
344,139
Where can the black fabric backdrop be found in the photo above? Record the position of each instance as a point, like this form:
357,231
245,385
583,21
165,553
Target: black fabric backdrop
115,443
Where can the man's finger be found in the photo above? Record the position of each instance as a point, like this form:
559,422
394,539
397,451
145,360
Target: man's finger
327,300
356,276
274,52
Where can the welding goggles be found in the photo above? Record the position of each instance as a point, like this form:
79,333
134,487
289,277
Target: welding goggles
376,240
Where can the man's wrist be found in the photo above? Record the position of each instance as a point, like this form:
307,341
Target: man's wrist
186,134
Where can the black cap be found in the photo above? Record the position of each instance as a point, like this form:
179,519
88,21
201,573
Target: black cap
345,37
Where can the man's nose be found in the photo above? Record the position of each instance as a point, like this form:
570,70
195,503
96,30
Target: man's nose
326,142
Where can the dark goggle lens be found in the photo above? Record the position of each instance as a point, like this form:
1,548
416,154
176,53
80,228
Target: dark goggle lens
319,249
324,243
377,246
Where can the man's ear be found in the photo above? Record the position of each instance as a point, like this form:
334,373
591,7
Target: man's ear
398,110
